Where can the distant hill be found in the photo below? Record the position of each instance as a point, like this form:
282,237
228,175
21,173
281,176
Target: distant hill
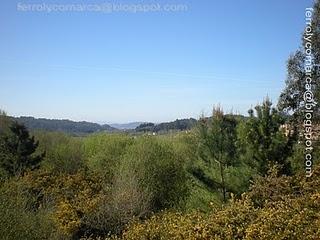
179,124
126,126
82,128
66,126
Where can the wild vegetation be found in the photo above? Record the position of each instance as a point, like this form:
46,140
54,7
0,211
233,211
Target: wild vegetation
226,177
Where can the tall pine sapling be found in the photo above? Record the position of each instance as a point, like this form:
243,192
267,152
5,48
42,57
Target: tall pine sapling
217,137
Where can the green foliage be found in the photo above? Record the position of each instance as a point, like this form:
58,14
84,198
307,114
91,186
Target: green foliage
134,177
287,208
158,170
185,145
17,220
64,154
238,178
144,181
192,184
67,199
104,152
297,159
17,151
217,147
261,140
96,185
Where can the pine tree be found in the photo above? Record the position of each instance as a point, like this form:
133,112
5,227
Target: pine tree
17,150
262,141
217,144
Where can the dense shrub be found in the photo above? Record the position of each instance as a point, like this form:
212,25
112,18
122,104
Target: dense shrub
159,172
64,154
276,207
144,188
18,220
104,151
66,199
149,177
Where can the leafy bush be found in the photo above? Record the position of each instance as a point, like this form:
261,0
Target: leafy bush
148,177
18,220
104,151
64,154
67,199
159,172
276,207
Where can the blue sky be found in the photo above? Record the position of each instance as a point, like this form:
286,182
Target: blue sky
145,66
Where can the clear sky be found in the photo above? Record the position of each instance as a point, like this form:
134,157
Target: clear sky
145,66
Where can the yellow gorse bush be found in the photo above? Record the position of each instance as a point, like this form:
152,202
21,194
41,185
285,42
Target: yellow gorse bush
72,197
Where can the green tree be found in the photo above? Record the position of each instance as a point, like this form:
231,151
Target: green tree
16,151
217,148
261,140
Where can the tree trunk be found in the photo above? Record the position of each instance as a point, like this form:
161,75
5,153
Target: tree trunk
223,182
